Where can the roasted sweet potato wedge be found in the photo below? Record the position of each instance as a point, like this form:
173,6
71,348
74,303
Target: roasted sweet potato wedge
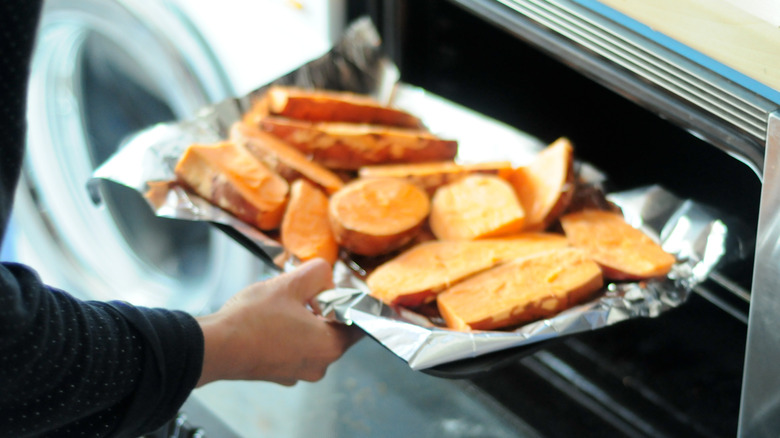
431,176
336,106
546,186
521,290
284,159
476,207
624,252
231,178
349,146
375,216
305,230
417,275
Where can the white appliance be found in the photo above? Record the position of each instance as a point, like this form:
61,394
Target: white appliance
103,69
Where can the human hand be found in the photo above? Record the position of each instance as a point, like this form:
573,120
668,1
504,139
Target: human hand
266,332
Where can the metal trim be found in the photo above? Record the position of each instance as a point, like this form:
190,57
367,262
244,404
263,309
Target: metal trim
760,405
698,99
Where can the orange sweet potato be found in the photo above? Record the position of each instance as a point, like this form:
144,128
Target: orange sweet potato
231,178
521,290
431,176
349,146
546,186
336,106
375,216
305,230
417,275
284,159
624,252
258,110
476,207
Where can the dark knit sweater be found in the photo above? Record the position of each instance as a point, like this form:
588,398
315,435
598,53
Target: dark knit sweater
70,367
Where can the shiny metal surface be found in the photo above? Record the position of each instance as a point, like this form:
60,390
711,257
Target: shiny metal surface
609,50
760,406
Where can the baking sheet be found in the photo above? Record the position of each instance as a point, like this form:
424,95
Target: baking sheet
145,162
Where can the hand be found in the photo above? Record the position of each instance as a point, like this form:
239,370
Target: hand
266,332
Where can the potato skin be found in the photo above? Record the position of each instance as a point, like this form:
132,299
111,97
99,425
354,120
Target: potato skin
371,245
336,106
347,146
431,176
218,183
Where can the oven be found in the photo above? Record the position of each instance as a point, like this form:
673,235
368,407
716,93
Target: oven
649,94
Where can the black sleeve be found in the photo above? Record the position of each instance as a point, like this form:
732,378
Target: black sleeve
71,367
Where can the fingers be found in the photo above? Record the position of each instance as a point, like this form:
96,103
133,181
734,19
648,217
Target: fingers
344,336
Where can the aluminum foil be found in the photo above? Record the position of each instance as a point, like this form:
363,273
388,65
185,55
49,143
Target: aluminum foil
685,229
145,162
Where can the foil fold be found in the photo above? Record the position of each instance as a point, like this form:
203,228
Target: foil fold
145,162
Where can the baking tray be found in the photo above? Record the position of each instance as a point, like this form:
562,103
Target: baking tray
693,233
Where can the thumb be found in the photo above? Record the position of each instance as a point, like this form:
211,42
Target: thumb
309,279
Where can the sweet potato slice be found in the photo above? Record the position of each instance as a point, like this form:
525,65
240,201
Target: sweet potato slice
417,275
624,252
375,216
476,207
431,176
284,159
522,290
349,146
546,186
231,178
305,230
336,106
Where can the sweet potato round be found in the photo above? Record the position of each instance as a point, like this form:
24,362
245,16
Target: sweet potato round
375,216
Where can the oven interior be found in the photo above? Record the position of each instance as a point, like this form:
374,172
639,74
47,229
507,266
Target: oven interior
676,375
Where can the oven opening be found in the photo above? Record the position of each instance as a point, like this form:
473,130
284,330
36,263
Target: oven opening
677,375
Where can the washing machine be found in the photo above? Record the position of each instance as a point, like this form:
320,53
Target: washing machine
104,69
